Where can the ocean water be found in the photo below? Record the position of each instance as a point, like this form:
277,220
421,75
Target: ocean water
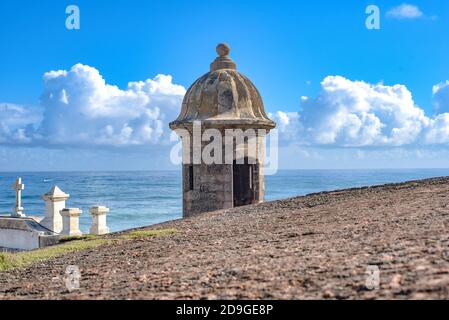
143,198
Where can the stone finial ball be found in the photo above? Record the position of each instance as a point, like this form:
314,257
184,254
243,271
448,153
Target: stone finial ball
223,49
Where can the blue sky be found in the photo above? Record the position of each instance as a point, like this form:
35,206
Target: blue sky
286,47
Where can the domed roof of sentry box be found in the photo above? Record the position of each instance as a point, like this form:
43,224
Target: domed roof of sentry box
223,97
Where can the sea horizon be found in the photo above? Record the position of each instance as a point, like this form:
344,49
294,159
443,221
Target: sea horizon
139,198
179,170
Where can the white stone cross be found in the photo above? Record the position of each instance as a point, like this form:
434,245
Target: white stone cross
18,186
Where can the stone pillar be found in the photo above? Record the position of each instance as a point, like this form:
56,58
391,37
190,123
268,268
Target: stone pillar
99,220
71,221
54,203
18,186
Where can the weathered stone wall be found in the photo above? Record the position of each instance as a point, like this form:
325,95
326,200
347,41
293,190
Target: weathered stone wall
19,239
24,234
212,188
213,183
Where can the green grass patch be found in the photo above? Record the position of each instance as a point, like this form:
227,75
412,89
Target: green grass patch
138,234
73,238
24,259
68,244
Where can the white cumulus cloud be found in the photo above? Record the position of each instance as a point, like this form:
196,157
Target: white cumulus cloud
80,108
441,97
405,11
349,113
16,121
438,130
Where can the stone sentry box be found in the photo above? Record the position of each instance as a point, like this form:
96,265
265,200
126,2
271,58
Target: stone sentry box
222,99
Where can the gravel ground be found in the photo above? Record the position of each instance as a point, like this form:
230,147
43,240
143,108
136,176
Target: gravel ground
313,247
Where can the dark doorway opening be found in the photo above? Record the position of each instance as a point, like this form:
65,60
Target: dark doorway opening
243,181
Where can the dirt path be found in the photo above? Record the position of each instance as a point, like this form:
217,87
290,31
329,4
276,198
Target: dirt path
318,246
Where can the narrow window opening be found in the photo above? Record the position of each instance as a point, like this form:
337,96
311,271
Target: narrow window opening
190,177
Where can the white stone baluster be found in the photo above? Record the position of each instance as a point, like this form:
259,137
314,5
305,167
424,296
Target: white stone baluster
71,221
99,225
